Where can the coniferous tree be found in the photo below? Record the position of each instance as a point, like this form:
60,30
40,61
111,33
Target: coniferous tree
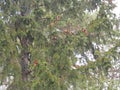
39,40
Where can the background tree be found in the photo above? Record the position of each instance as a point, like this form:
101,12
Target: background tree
41,38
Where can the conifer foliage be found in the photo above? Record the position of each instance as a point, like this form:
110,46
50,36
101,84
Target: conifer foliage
39,41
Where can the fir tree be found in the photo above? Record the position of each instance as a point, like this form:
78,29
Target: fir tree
39,40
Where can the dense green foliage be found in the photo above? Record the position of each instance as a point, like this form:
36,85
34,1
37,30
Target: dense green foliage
39,40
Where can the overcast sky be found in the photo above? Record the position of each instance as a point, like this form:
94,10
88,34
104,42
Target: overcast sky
117,9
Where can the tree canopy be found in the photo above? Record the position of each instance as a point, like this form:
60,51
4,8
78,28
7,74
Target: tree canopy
39,41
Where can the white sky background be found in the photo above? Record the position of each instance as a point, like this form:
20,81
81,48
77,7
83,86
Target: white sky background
116,11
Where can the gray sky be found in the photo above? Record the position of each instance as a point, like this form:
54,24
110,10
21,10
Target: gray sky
117,9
